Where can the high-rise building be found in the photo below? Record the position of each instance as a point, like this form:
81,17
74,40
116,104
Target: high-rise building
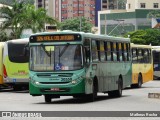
68,9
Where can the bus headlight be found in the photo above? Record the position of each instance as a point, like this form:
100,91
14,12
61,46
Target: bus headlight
37,83
74,82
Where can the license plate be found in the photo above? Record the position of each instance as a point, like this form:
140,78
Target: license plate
14,80
55,89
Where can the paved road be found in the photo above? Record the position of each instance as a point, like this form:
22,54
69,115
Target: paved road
132,100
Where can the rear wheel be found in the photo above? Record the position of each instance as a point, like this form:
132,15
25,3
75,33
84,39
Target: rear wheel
117,93
139,85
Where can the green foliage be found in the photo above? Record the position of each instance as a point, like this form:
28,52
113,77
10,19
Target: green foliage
11,2
3,36
24,16
148,36
154,14
75,23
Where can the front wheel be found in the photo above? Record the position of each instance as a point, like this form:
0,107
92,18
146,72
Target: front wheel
92,96
47,98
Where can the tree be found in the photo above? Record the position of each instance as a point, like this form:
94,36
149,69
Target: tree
76,24
12,18
154,14
148,36
35,19
24,16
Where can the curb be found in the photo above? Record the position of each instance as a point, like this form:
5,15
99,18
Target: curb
154,95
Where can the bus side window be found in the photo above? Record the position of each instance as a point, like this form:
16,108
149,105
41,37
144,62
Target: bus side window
98,50
123,57
112,50
87,50
134,55
94,51
109,58
102,53
117,50
150,55
140,57
145,53
127,49
120,51
105,49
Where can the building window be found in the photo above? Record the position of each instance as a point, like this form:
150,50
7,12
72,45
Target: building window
143,5
155,5
129,6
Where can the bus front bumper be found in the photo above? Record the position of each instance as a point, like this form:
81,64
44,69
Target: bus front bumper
57,89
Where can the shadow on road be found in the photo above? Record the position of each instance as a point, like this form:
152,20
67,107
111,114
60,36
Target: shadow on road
13,91
78,100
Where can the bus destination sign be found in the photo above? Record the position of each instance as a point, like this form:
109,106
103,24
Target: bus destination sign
55,38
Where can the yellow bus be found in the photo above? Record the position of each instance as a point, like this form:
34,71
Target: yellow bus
142,64
1,64
156,61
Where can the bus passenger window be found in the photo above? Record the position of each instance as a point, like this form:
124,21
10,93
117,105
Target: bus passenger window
140,56
120,52
98,50
108,51
102,55
125,52
117,50
123,57
150,55
94,51
112,50
127,49
134,55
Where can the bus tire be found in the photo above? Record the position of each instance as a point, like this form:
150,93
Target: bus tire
117,93
91,97
139,85
48,98
17,88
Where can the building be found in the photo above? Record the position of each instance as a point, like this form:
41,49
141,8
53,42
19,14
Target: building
134,17
67,9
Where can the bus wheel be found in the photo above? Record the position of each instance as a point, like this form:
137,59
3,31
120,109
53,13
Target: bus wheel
92,96
47,98
139,85
17,88
117,93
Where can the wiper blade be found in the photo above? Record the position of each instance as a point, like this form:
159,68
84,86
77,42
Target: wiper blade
48,54
63,50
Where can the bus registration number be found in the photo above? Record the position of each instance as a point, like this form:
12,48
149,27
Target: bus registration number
54,89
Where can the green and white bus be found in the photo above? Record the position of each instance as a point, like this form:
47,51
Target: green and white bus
15,64
78,64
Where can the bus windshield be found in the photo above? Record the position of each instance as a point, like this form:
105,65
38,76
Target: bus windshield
56,58
15,52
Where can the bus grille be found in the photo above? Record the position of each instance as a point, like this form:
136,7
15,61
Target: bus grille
54,82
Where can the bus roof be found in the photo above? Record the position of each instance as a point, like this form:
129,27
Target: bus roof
19,40
86,35
140,46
